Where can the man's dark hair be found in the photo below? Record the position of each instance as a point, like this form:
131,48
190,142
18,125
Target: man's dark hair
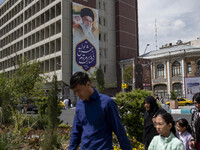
79,78
87,12
196,97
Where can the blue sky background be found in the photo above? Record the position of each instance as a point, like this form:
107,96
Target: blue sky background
1,1
175,20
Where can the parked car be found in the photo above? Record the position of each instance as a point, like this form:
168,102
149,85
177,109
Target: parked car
27,105
182,102
31,106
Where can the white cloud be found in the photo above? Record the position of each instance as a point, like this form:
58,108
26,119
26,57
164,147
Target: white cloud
175,20
178,24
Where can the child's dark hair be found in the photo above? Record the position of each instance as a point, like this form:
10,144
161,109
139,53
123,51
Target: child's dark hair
168,119
79,78
196,97
184,123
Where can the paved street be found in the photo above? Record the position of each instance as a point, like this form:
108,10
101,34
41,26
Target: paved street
68,115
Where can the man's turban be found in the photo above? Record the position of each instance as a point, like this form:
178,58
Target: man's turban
87,12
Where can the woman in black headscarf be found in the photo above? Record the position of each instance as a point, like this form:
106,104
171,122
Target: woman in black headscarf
152,110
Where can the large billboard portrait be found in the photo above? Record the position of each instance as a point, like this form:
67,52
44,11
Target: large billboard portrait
192,86
85,38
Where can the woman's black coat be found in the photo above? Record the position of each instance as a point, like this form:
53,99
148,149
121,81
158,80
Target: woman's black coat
149,129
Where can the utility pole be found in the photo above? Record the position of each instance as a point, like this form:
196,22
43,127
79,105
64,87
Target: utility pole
156,35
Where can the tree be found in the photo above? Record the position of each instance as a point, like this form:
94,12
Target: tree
97,78
128,74
5,95
26,81
100,80
53,110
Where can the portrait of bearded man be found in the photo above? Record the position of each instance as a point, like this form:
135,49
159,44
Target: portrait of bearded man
85,28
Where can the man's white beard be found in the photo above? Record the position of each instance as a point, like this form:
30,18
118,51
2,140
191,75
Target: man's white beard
87,30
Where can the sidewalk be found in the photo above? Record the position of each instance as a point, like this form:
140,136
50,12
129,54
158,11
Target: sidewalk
180,110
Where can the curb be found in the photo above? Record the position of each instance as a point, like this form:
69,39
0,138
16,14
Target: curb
179,111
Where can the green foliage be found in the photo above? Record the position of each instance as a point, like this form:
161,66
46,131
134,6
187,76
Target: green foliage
131,110
97,78
54,111
27,79
41,122
7,142
42,106
6,89
128,74
173,95
3,142
25,82
6,113
100,80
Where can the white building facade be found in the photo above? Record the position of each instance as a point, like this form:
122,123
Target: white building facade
174,67
42,30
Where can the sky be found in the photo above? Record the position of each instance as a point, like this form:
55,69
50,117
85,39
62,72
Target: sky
175,20
1,1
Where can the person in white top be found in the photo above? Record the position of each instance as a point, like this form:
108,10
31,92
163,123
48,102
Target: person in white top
184,132
66,101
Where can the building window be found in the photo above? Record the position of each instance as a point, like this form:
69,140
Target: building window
104,69
99,36
160,90
104,6
100,52
177,87
160,71
105,53
105,37
189,68
100,20
198,66
99,5
176,69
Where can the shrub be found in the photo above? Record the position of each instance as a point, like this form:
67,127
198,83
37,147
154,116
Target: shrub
131,110
173,95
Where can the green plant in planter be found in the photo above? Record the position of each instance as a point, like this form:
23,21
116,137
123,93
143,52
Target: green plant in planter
173,95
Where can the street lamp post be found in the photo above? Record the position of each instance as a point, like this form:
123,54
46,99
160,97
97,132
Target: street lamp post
146,48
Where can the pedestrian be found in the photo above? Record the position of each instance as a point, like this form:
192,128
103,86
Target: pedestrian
162,100
66,102
195,123
152,110
157,98
184,132
166,140
69,103
95,119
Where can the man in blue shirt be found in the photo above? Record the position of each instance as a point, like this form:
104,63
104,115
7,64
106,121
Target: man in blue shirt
95,119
